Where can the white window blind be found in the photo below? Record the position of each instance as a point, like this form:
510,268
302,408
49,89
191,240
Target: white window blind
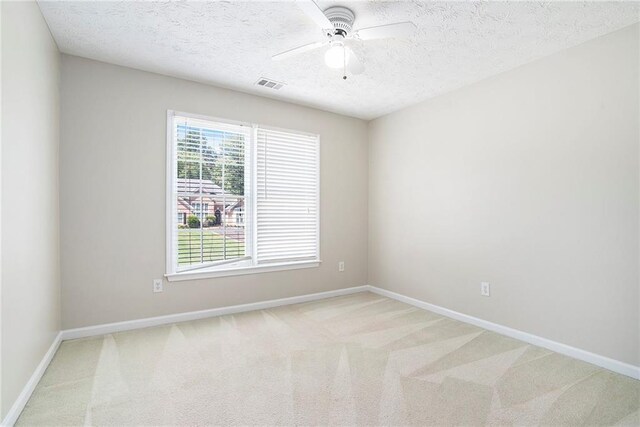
287,196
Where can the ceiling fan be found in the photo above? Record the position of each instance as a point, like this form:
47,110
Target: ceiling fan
337,24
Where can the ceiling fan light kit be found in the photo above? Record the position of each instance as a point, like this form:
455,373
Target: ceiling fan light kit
337,24
334,57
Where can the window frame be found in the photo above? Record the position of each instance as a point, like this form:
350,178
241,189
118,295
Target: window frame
247,264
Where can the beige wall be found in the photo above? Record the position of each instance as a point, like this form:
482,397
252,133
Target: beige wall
528,180
30,136
112,179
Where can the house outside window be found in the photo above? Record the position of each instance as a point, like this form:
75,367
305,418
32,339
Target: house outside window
245,196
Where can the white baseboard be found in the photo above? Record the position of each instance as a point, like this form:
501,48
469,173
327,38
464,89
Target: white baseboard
110,328
586,356
17,407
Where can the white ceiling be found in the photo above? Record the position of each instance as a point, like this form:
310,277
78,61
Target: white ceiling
230,44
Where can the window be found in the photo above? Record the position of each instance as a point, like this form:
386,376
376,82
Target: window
200,210
242,198
182,217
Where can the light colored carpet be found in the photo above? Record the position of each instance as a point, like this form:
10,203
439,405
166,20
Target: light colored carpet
355,360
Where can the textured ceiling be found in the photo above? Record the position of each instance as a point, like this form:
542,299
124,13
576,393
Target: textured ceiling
230,44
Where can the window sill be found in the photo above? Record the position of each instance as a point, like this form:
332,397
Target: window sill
239,271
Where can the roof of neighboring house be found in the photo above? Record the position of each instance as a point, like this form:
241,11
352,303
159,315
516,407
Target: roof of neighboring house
238,204
185,185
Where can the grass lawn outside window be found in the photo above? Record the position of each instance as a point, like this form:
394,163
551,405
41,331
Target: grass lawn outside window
215,247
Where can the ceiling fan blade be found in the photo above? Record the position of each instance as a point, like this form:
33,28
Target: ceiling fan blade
297,50
353,63
314,12
401,29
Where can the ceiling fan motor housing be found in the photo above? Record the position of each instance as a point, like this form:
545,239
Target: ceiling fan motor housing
341,18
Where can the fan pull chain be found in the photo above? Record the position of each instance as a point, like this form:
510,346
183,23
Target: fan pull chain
344,63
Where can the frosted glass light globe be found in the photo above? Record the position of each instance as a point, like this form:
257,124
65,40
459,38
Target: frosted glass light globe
334,58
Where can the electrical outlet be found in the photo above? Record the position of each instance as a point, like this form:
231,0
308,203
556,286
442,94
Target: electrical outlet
157,285
341,266
485,289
